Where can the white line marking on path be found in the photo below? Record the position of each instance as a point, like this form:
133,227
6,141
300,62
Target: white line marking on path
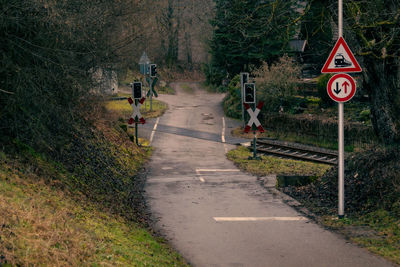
171,180
255,219
223,130
201,178
217,170
154,130
223,135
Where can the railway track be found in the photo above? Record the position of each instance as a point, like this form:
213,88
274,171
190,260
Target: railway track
296,151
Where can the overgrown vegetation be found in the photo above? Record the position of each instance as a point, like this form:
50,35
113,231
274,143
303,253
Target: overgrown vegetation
279,79
71,179
276,86
232,101
50,50
41,223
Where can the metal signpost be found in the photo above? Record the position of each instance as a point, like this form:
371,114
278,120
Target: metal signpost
152,80
244,78
341,88
249,97
136,117
146,68
257,125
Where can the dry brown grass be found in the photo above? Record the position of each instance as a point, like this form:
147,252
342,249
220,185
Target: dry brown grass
38,230
44,226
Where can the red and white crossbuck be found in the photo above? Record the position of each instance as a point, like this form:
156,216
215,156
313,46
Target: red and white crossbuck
136,116
253,117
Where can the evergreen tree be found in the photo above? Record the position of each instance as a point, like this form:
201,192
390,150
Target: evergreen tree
317,29
248,32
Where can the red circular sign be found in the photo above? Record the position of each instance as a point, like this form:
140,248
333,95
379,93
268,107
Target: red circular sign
341,87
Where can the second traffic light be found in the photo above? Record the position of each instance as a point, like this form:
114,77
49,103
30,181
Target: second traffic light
137,90
249,93
153,70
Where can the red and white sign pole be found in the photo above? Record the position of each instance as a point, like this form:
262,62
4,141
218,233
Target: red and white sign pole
254,120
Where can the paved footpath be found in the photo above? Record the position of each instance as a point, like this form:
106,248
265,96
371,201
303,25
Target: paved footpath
215,215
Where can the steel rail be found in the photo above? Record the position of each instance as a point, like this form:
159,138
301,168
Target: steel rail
286,150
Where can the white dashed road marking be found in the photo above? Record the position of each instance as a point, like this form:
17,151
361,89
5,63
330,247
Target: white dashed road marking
217,170
201,178
255,219
154,130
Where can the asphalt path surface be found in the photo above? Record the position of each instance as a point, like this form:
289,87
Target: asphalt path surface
215,215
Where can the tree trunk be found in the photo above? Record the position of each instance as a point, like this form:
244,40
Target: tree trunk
380,81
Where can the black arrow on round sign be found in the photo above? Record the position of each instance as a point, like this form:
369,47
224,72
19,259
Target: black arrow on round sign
337,90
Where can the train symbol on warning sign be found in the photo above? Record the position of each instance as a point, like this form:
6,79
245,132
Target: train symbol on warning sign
341,62
341,59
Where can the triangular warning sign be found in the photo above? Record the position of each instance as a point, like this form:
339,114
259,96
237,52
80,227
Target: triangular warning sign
341,59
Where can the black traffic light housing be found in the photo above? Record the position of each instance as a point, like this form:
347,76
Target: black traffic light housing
137,90
153,70
249,93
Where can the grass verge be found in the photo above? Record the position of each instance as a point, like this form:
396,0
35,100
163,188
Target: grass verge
124,110
187,88
377,231
82,205
42,224
273,165
166,90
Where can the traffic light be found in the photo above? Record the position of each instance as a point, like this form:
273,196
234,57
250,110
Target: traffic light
153,70
249,93
137,90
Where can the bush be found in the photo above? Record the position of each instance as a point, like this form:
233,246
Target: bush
322,82
214,75
278,80
276,86
232,101
365,115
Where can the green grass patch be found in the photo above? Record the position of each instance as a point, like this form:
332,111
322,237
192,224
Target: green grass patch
165,90
273,165
124,110
378,231
187,88
40,224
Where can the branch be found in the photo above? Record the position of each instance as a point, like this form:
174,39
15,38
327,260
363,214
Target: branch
6,92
